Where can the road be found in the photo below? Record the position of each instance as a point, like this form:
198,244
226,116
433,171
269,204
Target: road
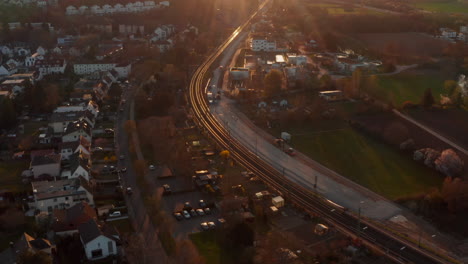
396,248
152,251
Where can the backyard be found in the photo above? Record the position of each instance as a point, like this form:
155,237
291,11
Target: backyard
10,176
364,160
208,247
403,87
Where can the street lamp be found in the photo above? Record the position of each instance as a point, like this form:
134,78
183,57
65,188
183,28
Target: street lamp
359,219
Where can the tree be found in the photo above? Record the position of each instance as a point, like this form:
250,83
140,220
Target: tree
37,258
7,114
428,99
325,82
187,253
449,163
356,82
273,81
450,86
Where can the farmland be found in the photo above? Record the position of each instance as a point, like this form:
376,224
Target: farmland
452,6
402,87
408,46
364,160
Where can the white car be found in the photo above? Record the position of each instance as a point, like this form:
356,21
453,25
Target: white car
186,214
200,212
211,225
115,214
152,167
204,226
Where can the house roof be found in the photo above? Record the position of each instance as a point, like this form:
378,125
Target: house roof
41,152
26,242
65,116
47,159
77,160
50,189
71,218
78,126
91,230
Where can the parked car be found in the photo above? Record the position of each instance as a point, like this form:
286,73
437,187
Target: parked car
204,226
178,216
207,211
129,190
200,212
115,214
152,167
221,221
202,203
290,152
211,225
187,206
167,189
122,157
186,214
193,213
123,169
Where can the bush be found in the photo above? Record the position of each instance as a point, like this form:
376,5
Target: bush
409,105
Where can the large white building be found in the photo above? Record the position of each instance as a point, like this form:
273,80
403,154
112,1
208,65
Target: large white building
117,8
262,44
98,241
62,194
88,68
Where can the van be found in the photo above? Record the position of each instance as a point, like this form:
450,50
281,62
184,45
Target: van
115,214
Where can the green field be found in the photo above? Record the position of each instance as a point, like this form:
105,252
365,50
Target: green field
403,87
363,160
335,9
442,6
209,248
10,176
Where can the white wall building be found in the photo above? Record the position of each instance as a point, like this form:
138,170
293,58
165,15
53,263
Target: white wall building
263,44
97,243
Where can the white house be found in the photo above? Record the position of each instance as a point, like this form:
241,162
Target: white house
79,166
81,146
163,45
31,60
119,8
262,44
42,165
98,241
75,130
41,51
164,3
71,10
61,194
51,66
5,50
60,120
107,9
15,86
448,33
83,9
88,68
123,70
8,69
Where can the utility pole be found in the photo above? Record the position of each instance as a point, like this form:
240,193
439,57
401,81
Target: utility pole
256,149
359,222
315,184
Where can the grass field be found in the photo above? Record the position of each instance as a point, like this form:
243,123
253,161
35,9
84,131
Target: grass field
403,87
363,160
335,9
442,6
210,249
10,176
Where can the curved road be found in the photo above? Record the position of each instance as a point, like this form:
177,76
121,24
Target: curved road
394,247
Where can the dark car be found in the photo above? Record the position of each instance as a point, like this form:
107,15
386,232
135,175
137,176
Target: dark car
193,213
129,191
207,210
202,203
167,189
187,206
178,216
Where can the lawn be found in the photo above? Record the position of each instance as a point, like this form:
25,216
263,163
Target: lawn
10,176
209,248
442,6
365,161
124,226
403,87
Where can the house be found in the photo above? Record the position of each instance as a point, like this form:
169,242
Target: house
67,40
46,165
26,243
83,10
8,69
239,74
123,70
88,68
164,3
15,87
296,60
335,95
71,10
82,145
79,166
99,241
262,43
41,51
5,50
448,33
163,45
75,130
51,66
67,221
59,120
31,60
61,194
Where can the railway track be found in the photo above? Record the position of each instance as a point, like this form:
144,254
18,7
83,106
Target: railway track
395,248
